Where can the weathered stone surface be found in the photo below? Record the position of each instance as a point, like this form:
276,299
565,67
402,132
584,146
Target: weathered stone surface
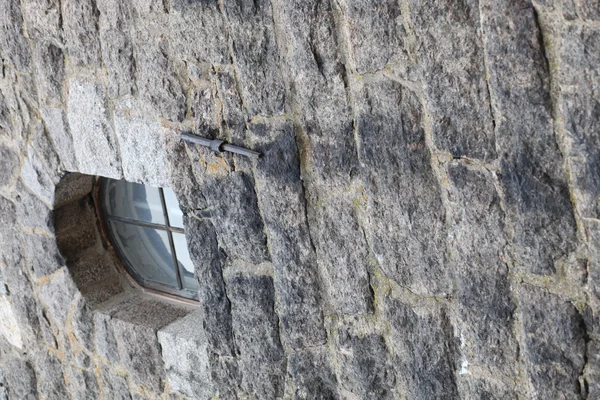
57,127
93,138
403,199
476,242
256,56
366,370
157,80
80,25
256,333
57,295
42,18
184,351
20,378
370,25
82,384
82,323
32,212
142,152
13,45
113,385
554,348
44,148
43,255
115,30
9,164
281,197
197,32
135,323
450,52
49,63
104,338
9,326
204,252
533,178
51,381
422,340
35,176
313,376
233,111
237,221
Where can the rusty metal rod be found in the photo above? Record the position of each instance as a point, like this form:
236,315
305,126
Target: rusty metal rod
218,145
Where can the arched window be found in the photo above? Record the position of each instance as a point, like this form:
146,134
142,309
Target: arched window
145,227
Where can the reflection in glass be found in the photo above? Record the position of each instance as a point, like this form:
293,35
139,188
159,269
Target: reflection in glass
186,267
175,214
148,250
134,201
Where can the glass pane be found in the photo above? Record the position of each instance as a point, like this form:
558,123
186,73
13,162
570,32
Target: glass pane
147,251
186,267
133,201
175,214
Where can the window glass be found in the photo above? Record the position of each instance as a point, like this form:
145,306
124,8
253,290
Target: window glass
185,263
175,214
134,201
153,248
148,250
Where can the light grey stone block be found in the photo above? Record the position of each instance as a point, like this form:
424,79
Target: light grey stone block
57,126
185,353
36,178
142,151
93,137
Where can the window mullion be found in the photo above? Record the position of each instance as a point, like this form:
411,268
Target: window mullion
171,242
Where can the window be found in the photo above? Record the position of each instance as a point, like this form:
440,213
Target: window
145,226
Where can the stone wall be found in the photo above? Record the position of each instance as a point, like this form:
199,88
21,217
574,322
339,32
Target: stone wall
424,224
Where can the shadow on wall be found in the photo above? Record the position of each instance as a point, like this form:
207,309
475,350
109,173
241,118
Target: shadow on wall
92,265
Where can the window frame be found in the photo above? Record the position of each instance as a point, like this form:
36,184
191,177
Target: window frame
125,266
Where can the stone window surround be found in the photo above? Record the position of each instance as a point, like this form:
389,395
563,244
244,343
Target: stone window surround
135,327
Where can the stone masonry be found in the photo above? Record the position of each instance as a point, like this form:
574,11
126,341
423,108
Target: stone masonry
424,223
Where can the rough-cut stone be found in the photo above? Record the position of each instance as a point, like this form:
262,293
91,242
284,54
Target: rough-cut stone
256,56
104,338
142,155
366,370
157,80
256,333
115,26
9,164
534,181
71,188
113,385
476,242
49,62
76,230
422,339
93,138
554,348
56,125
42,18
80,24
313,376
9,326
197,32
13,45
135,323
35,176
450,53
44,148
370,25
403,200
232,114
82,384
237,220
204,252
281,198
32,212
184,351
50,376
20,378
57,295
43,255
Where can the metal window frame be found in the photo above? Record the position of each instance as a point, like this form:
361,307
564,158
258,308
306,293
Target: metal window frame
180,292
